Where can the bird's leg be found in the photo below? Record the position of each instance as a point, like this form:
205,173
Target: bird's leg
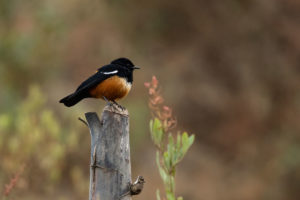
107,101
119,106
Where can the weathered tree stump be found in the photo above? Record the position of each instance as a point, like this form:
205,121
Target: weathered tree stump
110,172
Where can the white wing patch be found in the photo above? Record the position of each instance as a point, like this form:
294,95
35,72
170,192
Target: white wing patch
112,72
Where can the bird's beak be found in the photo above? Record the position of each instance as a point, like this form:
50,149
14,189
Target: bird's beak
136,67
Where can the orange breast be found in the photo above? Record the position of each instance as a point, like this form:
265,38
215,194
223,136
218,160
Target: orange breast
112,88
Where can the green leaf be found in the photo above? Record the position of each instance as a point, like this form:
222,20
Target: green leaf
179,153
170,196
172,183
157,132
191,139
157,194
171,139
171,151
167,160
151,125
186,142
162,172
152,131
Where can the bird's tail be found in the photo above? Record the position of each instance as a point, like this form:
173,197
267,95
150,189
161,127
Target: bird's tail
72,99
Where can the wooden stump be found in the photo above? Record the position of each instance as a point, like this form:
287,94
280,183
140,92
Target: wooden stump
110,172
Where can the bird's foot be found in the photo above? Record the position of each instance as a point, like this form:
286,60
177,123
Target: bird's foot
107,101
118,105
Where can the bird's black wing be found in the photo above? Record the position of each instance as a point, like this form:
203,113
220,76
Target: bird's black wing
102,73
90,82
82,91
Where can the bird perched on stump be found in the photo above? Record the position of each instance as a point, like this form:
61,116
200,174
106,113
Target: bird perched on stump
110,82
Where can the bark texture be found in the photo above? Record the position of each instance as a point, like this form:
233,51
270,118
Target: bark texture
110,172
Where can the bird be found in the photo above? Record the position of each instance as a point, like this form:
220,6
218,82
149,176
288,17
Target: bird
110,82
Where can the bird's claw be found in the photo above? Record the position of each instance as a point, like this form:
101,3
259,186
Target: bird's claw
119,106
107,101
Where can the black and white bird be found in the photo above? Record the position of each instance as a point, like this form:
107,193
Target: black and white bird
110,82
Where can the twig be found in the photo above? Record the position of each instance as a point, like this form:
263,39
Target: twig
13,182
82,120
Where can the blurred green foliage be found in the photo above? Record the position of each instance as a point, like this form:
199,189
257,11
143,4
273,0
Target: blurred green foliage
168,156
31,134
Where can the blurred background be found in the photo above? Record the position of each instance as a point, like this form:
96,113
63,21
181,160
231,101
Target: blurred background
230,70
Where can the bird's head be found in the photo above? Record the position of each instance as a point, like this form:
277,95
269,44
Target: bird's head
125,62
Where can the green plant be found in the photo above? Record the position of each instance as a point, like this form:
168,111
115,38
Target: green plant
32,134
170,149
